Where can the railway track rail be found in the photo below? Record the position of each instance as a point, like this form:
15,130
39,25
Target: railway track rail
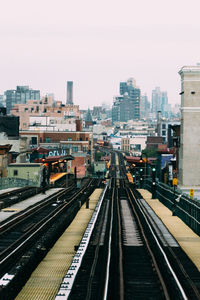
27,230
132,256
11,197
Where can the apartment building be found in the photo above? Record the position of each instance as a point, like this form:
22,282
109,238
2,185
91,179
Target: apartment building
46,110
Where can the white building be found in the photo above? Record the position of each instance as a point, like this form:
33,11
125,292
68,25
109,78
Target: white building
189,162
52,123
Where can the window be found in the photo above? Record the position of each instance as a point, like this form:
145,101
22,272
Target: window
34,140
15,172
74,149
69,139
163,132
163,126
48,140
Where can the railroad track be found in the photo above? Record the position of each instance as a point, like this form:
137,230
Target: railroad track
27,230
132,256
9,198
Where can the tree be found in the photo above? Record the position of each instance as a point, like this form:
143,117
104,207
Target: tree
152,152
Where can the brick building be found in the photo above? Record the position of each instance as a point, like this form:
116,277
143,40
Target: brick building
46,108
61,143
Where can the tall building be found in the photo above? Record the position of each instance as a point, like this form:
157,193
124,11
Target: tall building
20,96
70,92
2,101
127,105
189,162
144,107
160,103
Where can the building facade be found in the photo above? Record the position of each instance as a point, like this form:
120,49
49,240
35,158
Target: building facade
160,103
127,105
144,107
46,112
60,143
189,163
20,96
69,92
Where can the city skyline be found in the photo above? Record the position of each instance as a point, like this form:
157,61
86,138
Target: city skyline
97,45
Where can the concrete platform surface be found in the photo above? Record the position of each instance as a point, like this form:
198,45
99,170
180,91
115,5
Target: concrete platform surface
45,281
186,238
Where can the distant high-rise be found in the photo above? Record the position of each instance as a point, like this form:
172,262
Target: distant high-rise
20,96
127,105
160,103
70,92
144,107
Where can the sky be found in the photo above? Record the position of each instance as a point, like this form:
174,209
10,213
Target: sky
97,44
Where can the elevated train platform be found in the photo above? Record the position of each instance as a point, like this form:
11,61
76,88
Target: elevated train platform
186,238
45,281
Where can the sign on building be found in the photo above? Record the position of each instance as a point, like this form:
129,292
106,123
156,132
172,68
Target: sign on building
192,193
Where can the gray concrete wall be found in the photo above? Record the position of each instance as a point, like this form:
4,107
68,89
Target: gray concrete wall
189,167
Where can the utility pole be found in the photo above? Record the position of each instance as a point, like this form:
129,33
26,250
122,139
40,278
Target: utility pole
153,186
66,174
141,177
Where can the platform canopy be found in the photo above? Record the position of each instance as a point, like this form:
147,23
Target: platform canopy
57,158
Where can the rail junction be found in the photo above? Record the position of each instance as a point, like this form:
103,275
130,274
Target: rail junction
126,252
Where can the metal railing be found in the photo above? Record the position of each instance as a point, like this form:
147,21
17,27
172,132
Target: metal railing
181,205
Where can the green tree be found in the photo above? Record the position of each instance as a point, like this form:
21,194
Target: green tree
150,152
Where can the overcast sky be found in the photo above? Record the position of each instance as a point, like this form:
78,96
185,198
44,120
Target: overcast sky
97,44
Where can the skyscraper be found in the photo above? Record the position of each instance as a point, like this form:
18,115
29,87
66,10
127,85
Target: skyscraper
144,107
160,102
70,92
20,96
127,106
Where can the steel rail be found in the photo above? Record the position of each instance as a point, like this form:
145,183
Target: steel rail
27,212
182,269
41,225
162,251
149,248
121,273
105,290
